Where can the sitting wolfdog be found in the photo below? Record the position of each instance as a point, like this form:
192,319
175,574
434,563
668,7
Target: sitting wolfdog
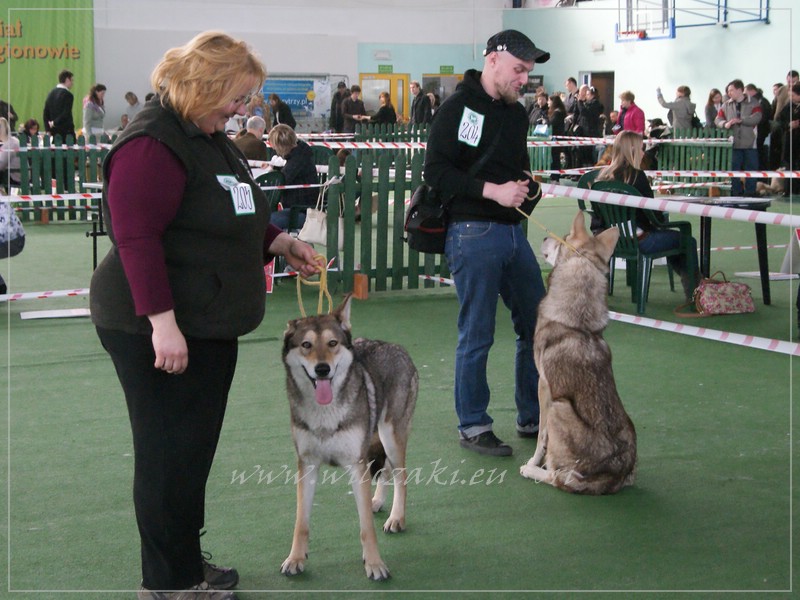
587,443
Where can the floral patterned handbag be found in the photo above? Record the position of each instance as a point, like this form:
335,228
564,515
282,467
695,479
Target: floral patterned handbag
718,296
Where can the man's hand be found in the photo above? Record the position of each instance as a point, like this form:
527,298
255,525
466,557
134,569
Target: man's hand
511,194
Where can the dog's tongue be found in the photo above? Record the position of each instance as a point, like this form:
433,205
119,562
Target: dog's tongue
323,391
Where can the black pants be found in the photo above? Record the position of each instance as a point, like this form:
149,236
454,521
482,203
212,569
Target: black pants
176,422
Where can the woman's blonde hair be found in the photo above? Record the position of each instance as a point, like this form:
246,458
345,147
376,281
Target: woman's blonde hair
206,74
282,138
626,158
5,129
627,95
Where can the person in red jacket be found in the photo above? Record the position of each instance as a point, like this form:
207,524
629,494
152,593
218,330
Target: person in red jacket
631,117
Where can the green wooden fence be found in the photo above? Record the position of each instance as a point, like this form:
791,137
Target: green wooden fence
374,246
68,164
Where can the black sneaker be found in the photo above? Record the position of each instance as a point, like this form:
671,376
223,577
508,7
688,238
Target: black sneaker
486,443
219,578
531,430
201,591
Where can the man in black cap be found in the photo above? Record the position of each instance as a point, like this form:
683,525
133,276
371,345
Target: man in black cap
336,120
477,157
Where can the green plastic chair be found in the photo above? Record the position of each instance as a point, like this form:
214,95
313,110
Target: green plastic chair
273,178
585,182
638,264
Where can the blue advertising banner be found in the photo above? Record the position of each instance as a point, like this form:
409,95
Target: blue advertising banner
299,94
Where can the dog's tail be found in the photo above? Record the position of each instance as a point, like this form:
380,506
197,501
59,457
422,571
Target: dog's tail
376,456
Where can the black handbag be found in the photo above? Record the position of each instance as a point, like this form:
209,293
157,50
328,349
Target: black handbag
426,221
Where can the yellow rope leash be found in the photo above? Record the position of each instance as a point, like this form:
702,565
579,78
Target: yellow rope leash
558,238
323,288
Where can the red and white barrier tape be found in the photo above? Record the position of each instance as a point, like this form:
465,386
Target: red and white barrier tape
42,295
750,341
674,206
718,248
746,174
48,197
737,339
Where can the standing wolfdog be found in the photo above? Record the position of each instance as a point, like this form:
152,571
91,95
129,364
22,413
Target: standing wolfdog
351,405
587,442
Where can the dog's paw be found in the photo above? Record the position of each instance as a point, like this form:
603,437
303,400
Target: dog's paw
377,504
377,571
394,525
529,471
293,566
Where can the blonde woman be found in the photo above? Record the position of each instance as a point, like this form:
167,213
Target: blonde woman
625,166
299,169
182,281
9,156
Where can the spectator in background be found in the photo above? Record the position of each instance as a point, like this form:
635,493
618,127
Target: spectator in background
713,105
94,111
763,127
57,114
30,128
256,108
251,142
788,122
420,105
352,110
133,107
435,102
556,113
630,115
537,115
613,126
336,120
299,169
9,156
386,113
7,111
626,166
281,113
588,124
740,115
571,99
682,108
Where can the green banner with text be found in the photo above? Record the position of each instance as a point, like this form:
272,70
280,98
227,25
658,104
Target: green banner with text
39,39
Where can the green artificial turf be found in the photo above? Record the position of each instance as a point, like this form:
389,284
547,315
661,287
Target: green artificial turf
710,513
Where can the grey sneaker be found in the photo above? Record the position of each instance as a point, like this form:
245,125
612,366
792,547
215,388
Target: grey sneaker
531,430
219,578
486,443
201,591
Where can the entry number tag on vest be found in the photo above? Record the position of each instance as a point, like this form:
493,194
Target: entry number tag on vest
241,194
471,127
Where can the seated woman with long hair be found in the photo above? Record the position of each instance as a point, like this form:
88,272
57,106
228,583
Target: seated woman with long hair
625,166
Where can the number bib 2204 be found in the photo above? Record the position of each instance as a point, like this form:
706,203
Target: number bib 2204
471,127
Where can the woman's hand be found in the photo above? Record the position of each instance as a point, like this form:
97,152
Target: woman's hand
299,255
172,354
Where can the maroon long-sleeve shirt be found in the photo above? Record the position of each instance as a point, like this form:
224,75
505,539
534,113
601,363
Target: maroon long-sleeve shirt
145,189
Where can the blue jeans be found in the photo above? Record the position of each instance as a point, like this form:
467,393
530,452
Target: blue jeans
280,219
487,260
744,159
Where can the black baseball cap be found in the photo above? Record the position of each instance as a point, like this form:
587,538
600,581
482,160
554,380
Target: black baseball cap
518,44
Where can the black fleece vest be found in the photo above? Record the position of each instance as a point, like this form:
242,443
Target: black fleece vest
214,257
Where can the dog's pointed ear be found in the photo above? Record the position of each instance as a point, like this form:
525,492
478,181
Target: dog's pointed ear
291,327
342,312
608,240
578,230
